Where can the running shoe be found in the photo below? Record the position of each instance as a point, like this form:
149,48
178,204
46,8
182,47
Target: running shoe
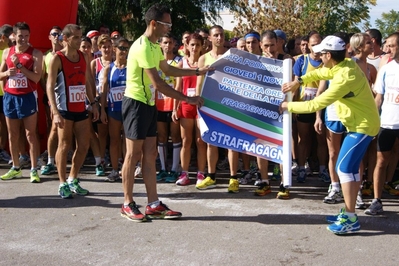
172,177
234,186
200,178
335,218
283,192
137,172
40,163
64,191
245,178
367,188
301,178
113,176
359,201
183,179
100,170
206,183
294,168
11,174
276,172
162,175
48,169
325,176
132,213
24,161
5,156
263,189
391,189
223,164
161,212
345,225
76,188
333,196
258,179
34,176
375,207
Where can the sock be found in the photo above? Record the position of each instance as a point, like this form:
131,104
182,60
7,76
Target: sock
154,204
15,167
212,175
350,214
70,179
32,169
335,186
321,168
51,160
233,177
162,154
176,156
97,159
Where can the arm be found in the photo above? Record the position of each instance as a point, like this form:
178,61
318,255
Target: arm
200,79
176,103
54,67
36,73
89,89
318,125
93,76
104,94
164,88
379,98
179,72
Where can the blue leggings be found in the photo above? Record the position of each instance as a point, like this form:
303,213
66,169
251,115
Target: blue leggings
351,154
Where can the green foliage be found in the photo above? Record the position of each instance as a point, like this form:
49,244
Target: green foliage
126,16
389,23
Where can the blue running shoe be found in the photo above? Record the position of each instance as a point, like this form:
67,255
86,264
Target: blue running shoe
301,178
335,218
345,225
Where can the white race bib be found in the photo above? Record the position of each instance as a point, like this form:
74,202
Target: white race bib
309,94
77,94
391,95
19,81
190,92
117,93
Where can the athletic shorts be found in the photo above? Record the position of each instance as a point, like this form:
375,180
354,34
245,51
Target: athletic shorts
188,111
19,106
386,139
350,155
165,117
117,115
74,116
139,119
335,127
306,118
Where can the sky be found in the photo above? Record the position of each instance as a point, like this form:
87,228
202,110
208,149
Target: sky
383,6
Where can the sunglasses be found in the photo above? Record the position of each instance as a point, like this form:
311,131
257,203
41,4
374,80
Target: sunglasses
165,24
123,48
54,34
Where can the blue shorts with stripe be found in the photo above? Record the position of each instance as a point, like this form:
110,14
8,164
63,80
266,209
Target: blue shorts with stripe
19,106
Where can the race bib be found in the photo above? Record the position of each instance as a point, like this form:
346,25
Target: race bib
161,96
77,94
19,81
190,92
117,93
392,95
309,93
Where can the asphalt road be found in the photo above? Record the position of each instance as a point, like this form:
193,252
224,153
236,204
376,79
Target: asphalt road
217,228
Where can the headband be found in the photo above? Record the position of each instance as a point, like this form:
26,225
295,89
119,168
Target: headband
255,35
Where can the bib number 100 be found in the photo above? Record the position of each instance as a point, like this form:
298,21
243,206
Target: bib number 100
77,94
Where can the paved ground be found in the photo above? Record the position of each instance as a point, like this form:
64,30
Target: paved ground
39,228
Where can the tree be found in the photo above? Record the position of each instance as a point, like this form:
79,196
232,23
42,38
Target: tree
298,17
126,16
389,23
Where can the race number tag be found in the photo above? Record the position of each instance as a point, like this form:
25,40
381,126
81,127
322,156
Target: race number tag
392,95
161,96
117,93
77,94
19,81
309,93
190,92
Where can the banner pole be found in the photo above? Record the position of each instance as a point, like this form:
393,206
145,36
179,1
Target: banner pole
287,128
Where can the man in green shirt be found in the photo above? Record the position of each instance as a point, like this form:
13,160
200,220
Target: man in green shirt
144,65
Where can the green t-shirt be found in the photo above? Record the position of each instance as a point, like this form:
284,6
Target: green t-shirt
143,54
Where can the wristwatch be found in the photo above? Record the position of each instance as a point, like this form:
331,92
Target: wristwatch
19,65
300,81
197,71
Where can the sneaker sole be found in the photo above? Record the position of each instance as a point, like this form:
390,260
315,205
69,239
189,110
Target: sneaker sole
282,197
205,188
344,232
69,197
263,193
373,213
134,220
35,181
164,217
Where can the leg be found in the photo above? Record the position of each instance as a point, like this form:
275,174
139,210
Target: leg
30,124
133,155
80,129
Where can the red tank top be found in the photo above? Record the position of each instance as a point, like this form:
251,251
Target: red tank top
71,84
20,84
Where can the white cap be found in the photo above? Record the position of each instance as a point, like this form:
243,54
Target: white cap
330,43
